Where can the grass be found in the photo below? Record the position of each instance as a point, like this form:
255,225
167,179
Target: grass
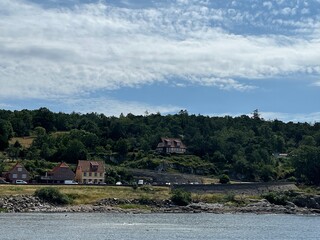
90,194
207,180
310,189
24,141
231,198
28,140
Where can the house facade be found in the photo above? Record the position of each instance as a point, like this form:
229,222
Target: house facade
90,172
171,145
18,172
59,174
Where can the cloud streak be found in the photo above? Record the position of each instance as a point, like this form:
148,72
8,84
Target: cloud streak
113,107
281,116
50,53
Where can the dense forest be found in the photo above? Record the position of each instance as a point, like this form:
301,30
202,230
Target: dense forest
244,147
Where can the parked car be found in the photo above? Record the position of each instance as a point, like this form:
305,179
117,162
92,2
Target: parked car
70,182
20,182
118,183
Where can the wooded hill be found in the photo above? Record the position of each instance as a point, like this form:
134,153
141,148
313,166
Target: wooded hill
245,148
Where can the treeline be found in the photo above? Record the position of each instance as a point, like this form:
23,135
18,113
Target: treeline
244,147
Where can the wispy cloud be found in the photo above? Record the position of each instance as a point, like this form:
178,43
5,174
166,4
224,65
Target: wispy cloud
281,116
297,117
317,83
51,53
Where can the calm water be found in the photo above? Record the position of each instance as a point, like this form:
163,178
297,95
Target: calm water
157,226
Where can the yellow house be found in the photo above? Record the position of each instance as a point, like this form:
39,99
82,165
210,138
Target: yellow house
90,172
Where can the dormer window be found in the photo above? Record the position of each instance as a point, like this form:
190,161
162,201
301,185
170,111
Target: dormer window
94,166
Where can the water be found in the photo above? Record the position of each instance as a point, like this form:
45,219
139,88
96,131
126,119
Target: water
99,226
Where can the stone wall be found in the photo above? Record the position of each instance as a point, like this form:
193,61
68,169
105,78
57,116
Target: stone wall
238,188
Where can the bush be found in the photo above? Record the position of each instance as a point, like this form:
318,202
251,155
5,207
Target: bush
276,198
144,199
291,179
181,197
134,186
146,188
53,195
224,178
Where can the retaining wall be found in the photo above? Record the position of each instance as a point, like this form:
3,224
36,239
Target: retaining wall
238,188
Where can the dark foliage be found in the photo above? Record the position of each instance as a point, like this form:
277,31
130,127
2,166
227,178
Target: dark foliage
224,178
247,148
181,197
53,195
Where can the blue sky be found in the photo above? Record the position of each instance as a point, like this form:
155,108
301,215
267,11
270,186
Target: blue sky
215,57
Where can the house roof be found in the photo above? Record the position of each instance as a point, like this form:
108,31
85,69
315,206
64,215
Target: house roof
91,166
171,143
61,165
16,166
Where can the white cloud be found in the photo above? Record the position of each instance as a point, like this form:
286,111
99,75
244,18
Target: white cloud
285,117
317,84
268,4
52,53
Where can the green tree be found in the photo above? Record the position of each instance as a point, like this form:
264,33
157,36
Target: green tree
306,161
181,197
6,133
44,118
224,178
122,147
74,151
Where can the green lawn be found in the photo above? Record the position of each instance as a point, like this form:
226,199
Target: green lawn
91,194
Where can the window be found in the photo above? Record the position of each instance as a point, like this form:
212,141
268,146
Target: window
14,175
95,174
24,176
90,174
19,169
85,174
100,174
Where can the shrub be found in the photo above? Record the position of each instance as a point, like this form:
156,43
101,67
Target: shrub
52,195
230,197
134,186
224,178
292,179
276,198
144,199
181,197
146,188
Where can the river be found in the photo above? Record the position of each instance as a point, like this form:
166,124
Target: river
99,226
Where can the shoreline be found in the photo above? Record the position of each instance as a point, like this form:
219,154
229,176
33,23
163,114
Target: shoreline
31,204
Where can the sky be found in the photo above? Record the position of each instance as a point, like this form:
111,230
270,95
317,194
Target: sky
209,57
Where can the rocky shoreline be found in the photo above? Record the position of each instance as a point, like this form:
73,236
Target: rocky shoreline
28,204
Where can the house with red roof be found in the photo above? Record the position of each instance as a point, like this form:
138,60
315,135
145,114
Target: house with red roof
59,174
90,172
17,172
171,145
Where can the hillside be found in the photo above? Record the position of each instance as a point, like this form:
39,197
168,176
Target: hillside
245,148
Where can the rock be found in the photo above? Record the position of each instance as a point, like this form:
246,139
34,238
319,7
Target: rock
307,201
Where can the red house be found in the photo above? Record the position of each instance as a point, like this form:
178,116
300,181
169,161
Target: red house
171,145
18,172
59,174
